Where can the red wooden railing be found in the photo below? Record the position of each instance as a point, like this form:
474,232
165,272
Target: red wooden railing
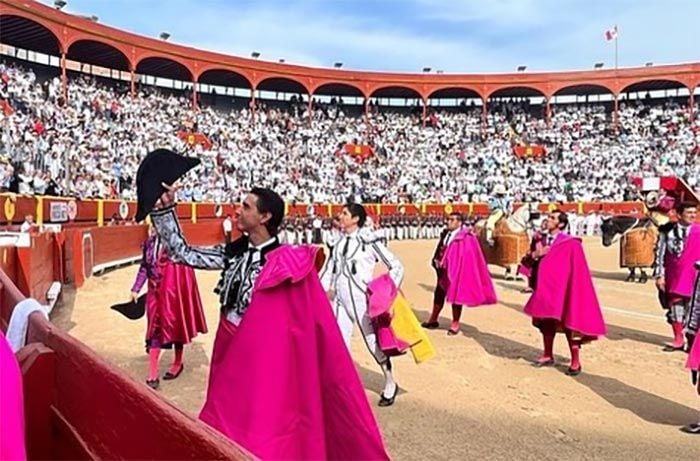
78,406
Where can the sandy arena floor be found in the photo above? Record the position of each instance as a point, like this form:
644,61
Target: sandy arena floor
479,398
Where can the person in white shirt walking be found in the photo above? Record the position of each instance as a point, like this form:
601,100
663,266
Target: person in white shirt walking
348,270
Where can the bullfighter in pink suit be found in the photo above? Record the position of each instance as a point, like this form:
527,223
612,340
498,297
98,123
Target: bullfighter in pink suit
529,265
692,327
564,298
173,307
462,274
677,250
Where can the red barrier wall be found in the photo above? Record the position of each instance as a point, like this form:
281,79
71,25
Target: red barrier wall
37,265
77,406
112,243
113,416
88,210
9,293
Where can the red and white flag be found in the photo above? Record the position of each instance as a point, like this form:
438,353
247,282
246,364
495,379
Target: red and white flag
611,34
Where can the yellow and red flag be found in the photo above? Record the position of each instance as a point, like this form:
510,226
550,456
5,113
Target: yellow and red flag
361,152
195,138
535,151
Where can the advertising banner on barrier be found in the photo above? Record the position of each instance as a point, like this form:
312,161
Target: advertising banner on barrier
58,212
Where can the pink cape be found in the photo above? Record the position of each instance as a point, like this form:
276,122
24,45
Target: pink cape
694,356
11,405
381,293
527,264
174,305
284,385
468,279
565,290
680,271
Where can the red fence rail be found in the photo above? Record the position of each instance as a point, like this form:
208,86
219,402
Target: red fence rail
78,406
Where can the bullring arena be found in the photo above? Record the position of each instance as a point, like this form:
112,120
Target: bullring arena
478,398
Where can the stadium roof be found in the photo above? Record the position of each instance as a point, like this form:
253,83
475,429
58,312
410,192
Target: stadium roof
34,26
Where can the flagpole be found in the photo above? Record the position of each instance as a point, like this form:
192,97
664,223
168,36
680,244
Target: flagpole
617,35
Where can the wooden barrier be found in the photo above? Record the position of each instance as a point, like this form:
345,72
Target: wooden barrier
113,243
73,255
99,212
77,406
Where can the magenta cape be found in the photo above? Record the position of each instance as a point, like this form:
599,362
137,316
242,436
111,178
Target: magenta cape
381,293
527,263
680,271
468,279
694,356
283,384
173,306
565,290
11,405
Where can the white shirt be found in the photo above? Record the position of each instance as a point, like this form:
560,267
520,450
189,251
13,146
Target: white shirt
354,257
451,235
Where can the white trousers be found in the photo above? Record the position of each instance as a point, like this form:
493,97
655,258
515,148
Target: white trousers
290,237
350,307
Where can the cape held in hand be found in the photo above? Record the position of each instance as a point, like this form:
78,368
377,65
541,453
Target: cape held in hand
282,384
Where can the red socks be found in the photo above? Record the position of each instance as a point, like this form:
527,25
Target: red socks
678,339
549,330
153,355
574,348
548,339
177,363
548,334
456,315
437,308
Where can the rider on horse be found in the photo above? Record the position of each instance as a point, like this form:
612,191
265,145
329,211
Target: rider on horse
659,205
500,205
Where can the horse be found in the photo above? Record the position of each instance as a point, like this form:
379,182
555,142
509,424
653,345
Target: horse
637,240
511,240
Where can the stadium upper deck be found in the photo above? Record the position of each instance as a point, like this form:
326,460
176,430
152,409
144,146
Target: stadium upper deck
33,26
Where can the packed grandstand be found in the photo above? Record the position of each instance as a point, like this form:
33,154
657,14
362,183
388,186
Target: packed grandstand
84,135
429,154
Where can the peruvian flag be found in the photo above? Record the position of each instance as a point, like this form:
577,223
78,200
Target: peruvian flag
611,34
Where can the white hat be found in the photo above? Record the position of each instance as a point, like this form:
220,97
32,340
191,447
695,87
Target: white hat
499,189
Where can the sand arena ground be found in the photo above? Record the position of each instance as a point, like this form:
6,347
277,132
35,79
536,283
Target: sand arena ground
479,398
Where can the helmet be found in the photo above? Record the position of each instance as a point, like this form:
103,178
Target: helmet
651,199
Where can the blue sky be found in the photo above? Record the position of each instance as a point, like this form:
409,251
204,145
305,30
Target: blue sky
406,35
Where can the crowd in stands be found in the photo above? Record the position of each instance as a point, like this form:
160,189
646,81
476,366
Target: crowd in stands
90,145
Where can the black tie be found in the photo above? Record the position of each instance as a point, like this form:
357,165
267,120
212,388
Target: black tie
347,245
249,258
